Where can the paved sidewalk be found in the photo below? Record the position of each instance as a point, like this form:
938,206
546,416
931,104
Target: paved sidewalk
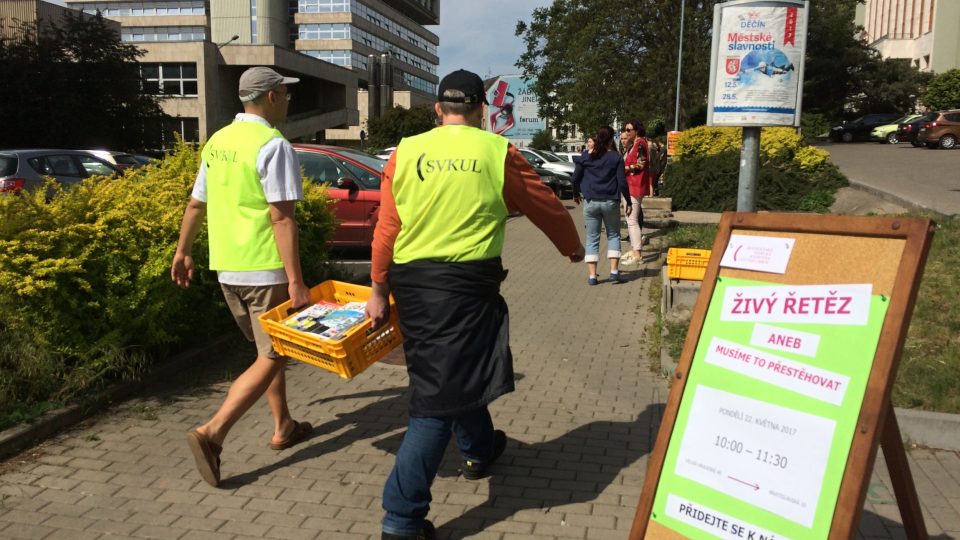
580,427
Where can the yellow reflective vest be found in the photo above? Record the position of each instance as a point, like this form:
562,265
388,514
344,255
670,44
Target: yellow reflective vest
448,188
238,215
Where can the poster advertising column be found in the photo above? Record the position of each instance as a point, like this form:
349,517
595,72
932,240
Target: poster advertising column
765,425
756,68
514,110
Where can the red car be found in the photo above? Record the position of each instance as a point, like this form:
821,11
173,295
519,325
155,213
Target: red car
353,182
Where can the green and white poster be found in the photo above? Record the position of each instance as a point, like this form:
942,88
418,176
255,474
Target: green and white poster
769,410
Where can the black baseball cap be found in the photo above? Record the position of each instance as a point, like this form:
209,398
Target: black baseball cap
465,81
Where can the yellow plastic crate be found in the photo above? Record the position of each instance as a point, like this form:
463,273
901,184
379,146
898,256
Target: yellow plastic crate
356,351
685,263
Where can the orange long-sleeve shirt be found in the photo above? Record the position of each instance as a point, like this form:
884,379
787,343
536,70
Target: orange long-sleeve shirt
522,191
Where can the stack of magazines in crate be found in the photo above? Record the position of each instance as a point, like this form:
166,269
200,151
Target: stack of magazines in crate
328,320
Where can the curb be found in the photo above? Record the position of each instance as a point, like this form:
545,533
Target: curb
922,428
18,438
896,199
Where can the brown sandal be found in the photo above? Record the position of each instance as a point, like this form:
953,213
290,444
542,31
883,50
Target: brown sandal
298,433
207,455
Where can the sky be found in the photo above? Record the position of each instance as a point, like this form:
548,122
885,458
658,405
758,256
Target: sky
477,35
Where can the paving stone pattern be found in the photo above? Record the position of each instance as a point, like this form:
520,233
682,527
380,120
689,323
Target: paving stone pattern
580,427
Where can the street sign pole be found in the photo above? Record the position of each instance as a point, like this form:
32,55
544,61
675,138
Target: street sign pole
749,166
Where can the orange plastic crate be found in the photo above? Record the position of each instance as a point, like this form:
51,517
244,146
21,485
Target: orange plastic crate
356,351
685,263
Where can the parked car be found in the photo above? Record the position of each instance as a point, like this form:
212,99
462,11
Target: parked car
942,131
386,153
122,160
908,131
547,160
860,128
352,178
562,186
887,133
26,169
569,156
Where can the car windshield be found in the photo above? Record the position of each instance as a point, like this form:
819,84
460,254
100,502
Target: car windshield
8,165
550,156
373,162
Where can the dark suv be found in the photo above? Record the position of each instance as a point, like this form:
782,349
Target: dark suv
943,130
908,132
859,129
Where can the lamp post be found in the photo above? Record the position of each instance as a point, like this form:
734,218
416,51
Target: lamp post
227,42
676,110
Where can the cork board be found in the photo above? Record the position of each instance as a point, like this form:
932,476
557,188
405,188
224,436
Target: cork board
886,253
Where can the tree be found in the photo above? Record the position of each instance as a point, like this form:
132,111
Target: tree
596,61
397,123
542,140
834,57
890,84
943,92
77,86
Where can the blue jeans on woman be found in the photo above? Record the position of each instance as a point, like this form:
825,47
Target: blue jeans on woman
607,213
406,496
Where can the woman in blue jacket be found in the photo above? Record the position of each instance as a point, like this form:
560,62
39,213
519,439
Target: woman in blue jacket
600,182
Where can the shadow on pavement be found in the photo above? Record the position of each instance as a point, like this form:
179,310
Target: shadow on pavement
373,420
573,468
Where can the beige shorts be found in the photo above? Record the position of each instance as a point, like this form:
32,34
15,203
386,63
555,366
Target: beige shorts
247,303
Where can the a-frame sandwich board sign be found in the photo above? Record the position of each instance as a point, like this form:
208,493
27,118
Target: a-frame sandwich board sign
781,396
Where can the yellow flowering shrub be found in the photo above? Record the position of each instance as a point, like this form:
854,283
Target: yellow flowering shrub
783,141
85,283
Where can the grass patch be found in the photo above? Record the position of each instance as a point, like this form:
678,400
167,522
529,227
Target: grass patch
929,374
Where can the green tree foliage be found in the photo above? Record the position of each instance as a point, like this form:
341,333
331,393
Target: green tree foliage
596,60
397,123
888,85
943,92
834,56
76,85
542,140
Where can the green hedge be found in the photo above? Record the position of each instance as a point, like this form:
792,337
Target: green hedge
85,291
793,176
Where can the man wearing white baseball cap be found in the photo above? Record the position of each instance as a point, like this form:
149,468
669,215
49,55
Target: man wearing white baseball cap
247,188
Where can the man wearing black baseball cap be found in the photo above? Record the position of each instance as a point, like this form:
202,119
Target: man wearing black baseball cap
445,197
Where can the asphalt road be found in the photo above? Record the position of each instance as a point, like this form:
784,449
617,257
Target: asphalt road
918,177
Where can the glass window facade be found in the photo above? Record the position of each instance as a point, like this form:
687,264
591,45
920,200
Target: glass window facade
324,31
143,9
169,79
323,6
162,33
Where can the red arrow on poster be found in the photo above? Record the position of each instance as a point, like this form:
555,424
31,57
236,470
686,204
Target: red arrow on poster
756,487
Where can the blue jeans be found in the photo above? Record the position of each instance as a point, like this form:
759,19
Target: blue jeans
406,496
607,213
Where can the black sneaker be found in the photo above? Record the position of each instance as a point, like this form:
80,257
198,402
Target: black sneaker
475,470
427,532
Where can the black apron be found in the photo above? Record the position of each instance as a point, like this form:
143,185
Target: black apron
456,334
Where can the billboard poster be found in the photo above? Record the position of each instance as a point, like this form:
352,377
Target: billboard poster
514,110
757,64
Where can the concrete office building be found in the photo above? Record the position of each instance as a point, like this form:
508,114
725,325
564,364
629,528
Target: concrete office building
30,12
348,32
195,51
925,31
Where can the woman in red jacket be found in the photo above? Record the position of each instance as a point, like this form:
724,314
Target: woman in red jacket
635,162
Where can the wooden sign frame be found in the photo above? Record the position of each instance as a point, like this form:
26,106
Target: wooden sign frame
876,424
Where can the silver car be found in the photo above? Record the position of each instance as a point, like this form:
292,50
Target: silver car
549,161
26,169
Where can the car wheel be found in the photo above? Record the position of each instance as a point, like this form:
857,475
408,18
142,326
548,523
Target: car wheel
892,138
948,141
847,137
